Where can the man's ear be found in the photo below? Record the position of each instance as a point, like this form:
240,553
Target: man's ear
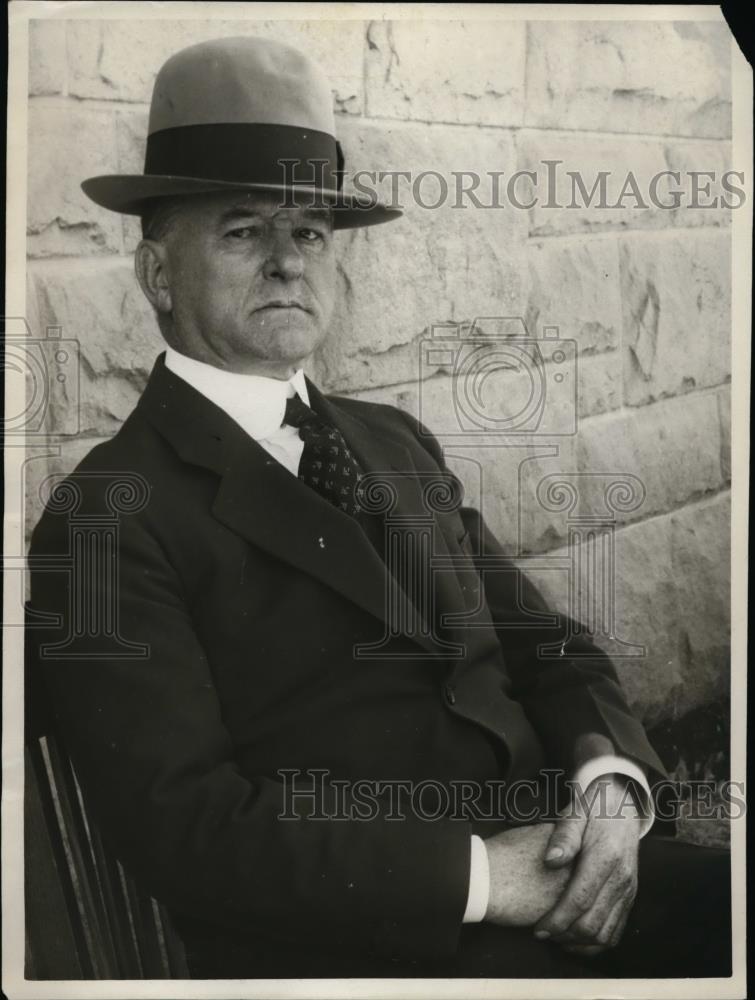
151,265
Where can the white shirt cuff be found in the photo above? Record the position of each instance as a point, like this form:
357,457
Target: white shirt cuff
479,883
612,764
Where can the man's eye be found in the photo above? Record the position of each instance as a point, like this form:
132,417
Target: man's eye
310,235
242,232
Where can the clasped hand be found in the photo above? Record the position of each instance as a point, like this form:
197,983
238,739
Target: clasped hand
574,880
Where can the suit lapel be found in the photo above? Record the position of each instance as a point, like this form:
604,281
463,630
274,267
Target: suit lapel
379,454
262,502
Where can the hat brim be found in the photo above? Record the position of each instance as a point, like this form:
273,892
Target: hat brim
133,194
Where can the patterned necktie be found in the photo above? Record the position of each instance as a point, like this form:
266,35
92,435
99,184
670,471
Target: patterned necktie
327,465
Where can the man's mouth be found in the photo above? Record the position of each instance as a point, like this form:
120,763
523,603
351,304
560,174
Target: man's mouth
281,304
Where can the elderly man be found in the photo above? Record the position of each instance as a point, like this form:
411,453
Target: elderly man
266,628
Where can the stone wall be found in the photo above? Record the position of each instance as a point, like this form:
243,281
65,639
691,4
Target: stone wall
645,293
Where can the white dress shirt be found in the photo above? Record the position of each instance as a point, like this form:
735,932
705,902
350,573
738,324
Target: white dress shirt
258,404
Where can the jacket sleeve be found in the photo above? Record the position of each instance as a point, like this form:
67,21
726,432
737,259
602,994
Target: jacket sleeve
564,696
156,766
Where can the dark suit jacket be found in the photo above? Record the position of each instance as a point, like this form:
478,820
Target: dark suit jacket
249,592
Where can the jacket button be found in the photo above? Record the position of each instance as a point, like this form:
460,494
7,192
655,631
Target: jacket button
450,694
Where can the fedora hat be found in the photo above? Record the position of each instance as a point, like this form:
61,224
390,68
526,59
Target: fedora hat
246,114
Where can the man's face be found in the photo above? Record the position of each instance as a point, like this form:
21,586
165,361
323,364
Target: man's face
251,285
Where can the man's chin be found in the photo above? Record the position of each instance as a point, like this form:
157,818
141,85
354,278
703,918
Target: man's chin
286,340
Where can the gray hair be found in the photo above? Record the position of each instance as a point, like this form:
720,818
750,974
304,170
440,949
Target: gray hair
159,216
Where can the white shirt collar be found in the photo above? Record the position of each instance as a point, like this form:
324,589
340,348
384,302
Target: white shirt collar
257,403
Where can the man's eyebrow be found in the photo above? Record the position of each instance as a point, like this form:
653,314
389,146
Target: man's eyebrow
244,212
321,214
239,212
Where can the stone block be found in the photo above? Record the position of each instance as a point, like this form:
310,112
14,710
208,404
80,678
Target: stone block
711,191
450,71
574,285
67,145
660,77
700,563
646,613
131,139
48,67
595,183
676,293
118,60
599,386
432,266
671,596
673,447
101,306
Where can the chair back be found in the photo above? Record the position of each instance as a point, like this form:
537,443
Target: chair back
86,918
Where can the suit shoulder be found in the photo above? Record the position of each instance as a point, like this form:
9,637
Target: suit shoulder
113,474
392,420
381,416
135,447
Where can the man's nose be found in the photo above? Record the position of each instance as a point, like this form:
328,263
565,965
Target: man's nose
284,260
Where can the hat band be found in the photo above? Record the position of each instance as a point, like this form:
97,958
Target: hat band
246,153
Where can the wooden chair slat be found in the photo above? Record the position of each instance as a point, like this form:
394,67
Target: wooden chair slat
50,896
150,933
81,860
119,916
174,950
